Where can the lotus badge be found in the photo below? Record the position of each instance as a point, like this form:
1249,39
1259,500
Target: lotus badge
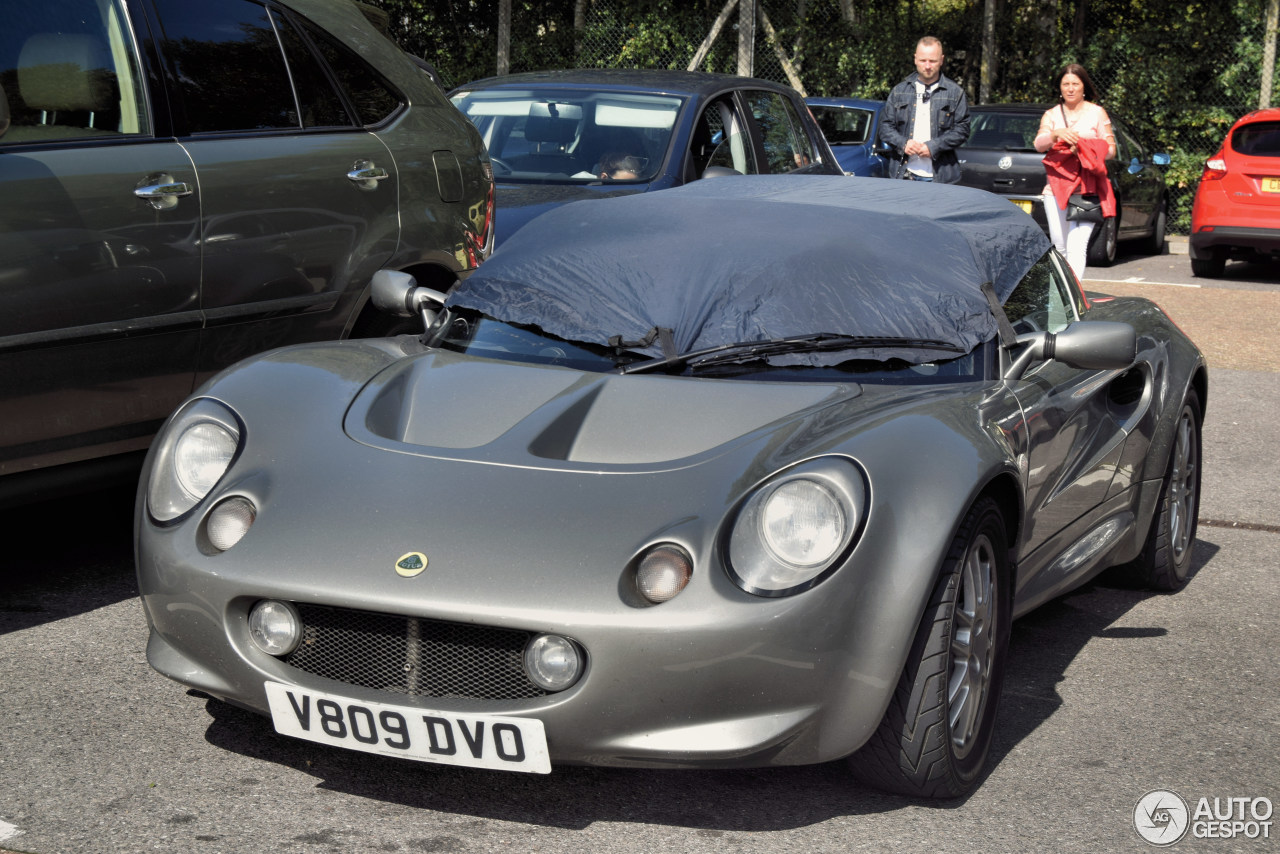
411,564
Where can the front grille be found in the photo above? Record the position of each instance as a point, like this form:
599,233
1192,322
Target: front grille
406,655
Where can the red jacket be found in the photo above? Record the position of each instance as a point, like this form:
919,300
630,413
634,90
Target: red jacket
1081,171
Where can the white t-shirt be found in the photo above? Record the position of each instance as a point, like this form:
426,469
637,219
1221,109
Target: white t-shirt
923,129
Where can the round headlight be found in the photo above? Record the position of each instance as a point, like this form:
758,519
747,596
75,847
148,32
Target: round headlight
803,523
275,627
229,522
794,529
552,662
192,454
663,573
201,456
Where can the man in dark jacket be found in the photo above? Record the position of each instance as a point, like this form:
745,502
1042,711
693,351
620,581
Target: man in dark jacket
925,119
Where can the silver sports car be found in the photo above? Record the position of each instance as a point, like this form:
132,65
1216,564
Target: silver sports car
756,471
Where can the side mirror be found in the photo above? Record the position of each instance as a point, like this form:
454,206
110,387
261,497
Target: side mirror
1135,166
1161,158
1094,345
399,294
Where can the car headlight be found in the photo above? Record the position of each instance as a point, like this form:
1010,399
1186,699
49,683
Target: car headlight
795,528
194,453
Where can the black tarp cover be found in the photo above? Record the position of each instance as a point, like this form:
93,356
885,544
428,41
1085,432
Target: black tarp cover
756,258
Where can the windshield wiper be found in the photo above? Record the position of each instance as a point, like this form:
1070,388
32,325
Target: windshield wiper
746,351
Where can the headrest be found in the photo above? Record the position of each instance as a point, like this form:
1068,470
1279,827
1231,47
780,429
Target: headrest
58,71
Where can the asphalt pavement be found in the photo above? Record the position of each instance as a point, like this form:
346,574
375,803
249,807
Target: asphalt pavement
1112,693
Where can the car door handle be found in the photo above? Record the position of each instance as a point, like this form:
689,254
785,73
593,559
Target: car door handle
161,191
366,176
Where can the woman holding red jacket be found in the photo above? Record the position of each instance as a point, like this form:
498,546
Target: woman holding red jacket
1077,138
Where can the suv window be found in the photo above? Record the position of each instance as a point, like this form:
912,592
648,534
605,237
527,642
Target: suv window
228,66
786,145
1042,301
374,98
69,70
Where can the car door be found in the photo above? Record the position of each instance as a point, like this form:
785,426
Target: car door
721,138
299,197
1073,442
99,268
1140,184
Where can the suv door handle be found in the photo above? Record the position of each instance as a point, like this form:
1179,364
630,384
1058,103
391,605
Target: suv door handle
366,176
161,191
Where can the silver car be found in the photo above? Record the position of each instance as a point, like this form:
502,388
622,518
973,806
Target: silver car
751,472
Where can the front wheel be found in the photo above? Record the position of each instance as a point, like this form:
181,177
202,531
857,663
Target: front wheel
1165,560
936,733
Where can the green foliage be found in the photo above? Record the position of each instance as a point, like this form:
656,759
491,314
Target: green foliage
1181,71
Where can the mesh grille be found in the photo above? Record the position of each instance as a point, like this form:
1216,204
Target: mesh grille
406,655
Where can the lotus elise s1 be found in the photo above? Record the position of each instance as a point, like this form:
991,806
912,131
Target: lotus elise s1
751,472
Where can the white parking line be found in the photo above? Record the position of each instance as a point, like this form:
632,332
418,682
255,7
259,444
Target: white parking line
1138,280
8,831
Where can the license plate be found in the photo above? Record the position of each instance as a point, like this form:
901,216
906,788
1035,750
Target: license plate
1024,204
1271,185
446,738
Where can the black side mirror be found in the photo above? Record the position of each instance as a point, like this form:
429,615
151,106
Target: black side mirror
399,294
1096,345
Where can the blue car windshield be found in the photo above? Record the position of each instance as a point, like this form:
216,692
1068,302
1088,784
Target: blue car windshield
571,136
466,331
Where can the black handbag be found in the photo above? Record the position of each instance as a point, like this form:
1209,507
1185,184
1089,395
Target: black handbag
1084,207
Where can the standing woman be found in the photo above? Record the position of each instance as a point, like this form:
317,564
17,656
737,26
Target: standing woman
1077,138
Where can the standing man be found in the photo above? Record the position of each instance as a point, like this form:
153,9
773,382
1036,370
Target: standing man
925,120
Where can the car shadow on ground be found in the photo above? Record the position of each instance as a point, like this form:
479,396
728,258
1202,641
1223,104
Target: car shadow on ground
713,802
67,557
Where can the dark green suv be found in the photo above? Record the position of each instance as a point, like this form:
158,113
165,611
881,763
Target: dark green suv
186,182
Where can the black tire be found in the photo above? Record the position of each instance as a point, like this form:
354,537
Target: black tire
1211,267
1103,243
1165,560
1154,245
936,733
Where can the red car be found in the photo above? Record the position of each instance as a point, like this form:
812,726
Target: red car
1237,207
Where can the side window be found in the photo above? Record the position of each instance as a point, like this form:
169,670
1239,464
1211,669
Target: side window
786,145
843,126
228,66
374,98
320,102
69,70
1043,301
720,139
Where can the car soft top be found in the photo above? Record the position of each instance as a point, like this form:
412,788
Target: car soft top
873,258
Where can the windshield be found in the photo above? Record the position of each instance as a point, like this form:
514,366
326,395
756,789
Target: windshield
476,334
569,136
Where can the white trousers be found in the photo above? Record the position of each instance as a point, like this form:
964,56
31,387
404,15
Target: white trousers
1070,238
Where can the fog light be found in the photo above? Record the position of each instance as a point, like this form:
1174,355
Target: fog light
275,627
663,573
229,522
552,662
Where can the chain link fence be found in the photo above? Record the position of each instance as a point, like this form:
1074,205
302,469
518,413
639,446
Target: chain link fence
1179,80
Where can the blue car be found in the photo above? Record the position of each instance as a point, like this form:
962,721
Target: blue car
849,125
559,136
